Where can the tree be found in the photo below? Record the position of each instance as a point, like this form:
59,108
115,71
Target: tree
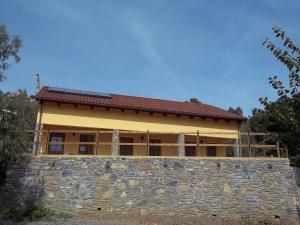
283,115
9,48
237,110
258,121
195,100
17,114
289,55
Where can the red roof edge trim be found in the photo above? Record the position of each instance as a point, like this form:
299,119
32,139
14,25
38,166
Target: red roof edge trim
140,103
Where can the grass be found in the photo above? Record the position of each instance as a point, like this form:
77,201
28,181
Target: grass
35,214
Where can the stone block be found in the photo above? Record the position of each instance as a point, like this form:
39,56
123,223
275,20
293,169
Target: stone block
118,166
107,195
121,186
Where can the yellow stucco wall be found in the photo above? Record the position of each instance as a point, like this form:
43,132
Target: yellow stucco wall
69,117
84,116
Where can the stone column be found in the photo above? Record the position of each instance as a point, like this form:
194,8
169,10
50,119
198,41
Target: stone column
115,143
37,139
237,148
180,147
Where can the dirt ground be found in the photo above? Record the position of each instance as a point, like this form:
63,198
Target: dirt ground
157,220
185,220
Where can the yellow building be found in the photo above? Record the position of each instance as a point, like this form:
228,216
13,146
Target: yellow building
82,122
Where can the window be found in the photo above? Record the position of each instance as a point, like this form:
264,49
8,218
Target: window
86,148
229,151
154,150
56,148
211,151
126,149
190,150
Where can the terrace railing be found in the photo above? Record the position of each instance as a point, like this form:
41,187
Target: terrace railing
247,144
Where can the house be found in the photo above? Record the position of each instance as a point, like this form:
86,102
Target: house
82,122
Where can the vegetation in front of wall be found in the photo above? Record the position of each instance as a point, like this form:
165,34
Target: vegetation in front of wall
295,161
37,214
47,214
6,214
17,114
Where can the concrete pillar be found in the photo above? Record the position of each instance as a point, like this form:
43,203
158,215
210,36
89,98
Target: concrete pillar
115,143
180,147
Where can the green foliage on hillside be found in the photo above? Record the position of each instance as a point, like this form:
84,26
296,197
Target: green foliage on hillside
17,114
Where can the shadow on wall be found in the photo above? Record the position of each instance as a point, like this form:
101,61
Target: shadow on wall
23,189
297,176
297,179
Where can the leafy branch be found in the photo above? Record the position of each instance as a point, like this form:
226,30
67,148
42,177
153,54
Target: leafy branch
9,48
289,55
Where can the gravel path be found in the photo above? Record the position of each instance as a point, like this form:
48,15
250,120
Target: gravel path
161,221
53,223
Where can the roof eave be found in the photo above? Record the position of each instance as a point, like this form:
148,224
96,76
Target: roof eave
241,119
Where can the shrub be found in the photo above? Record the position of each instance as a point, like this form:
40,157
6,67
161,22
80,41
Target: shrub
5,214
295,161
33,214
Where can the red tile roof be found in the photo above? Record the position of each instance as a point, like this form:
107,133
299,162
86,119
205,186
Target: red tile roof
135,103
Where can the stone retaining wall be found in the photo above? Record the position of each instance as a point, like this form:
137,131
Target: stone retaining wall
223,187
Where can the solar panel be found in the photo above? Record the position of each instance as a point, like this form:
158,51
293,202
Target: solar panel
79,92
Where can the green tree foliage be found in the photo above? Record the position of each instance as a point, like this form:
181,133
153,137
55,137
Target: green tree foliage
237,110
195,100
9,48
288,54
17,114
283,115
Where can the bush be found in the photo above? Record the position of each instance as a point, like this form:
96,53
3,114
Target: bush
48,214
32,215
6,214
295,161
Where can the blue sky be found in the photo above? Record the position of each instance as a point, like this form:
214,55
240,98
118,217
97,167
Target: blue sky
168,49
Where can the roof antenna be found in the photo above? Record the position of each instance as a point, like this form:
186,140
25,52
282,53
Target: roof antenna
37,83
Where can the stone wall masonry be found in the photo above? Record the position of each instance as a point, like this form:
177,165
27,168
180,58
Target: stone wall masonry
224,187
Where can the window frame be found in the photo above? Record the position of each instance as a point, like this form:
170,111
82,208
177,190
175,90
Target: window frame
193,148
50,146
126,150
90,147
159,150
211,148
